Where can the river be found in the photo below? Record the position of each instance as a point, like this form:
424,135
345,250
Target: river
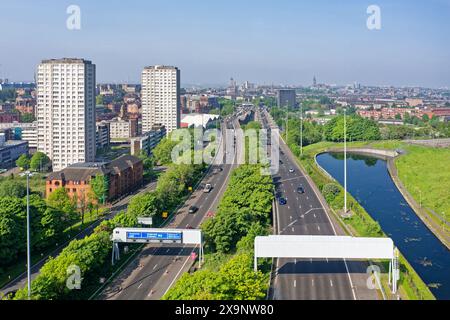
370,184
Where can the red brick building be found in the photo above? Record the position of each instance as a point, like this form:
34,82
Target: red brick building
390,113
9,117
124,174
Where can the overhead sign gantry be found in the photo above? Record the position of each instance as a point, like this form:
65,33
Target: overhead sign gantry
163,236
329,247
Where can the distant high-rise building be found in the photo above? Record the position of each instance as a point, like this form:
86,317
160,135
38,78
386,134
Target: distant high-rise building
314,82
66,111
232,89
286,97
161,102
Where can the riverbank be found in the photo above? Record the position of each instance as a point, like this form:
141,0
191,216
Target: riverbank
430,219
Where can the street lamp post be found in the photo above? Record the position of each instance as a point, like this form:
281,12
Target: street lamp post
28,237
287,122
345,161
301,128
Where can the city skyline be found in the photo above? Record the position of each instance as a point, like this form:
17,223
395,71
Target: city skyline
288,44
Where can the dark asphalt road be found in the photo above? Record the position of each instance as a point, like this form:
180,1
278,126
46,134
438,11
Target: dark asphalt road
157,268
304,214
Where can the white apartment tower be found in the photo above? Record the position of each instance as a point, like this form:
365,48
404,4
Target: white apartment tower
160,96
66,111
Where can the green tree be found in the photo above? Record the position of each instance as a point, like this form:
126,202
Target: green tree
146,205
358,129
163,151
23,162
99,100
12,188
27,118
60,200
12,240
39,161
100,187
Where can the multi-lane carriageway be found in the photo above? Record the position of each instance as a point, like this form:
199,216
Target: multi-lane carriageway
304,214
157,267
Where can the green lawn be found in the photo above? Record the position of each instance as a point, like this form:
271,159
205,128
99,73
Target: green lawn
425,172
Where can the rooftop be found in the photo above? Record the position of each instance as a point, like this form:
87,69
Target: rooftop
66,60
83,171
158,67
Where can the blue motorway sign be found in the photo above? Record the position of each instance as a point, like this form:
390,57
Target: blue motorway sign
171,236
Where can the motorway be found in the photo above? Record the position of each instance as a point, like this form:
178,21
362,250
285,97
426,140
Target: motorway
155,270
305,214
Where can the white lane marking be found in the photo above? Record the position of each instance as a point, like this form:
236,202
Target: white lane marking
327,260
331,282
293,230
315,215
312,282
168,250
182,267
318,228
290,218
310,206
350,278
155,266
140,285
295,283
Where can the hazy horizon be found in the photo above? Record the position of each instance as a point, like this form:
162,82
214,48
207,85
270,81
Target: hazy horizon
266,42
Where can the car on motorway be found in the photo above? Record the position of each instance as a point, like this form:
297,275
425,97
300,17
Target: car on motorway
210,214
207,188
282,201
3,171
189,227
291,170
192,209
301,190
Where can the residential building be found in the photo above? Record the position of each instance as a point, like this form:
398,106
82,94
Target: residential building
103,135
148,141
66,111
6,117
160,98
124,175
286,97
10,151
22,131
121,129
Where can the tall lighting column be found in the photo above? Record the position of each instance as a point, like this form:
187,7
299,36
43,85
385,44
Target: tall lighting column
345,161
28,237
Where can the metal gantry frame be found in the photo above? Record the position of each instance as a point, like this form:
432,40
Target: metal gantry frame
329,247
189,236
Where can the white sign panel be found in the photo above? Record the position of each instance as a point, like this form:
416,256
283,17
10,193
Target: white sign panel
145,221
323,247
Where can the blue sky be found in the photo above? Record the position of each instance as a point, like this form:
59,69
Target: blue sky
278,41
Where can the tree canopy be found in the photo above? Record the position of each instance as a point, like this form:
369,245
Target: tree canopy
39,161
